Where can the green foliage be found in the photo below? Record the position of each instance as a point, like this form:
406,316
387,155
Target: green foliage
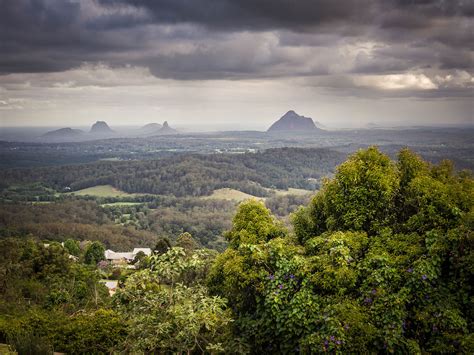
191,174
35,274
362,195
410,165
94,253
382,262
162,246
101,331
333,268
253,224
168,311
28,343
139,257
38,332
72,219
7,350
72,246
187,242
48,301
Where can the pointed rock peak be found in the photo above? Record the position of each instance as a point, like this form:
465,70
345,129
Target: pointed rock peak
166,129
291,121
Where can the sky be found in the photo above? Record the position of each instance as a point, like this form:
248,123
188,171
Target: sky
236,64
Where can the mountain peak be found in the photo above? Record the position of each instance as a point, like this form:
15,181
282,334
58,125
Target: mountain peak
100,127
152,125
166,129
291,121
63,134
149,128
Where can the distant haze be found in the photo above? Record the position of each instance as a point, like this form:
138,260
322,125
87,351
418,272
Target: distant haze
237,66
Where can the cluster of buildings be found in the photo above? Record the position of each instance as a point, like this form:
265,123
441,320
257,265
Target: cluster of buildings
122,258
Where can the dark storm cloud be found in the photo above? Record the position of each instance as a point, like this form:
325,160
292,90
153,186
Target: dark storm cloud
254,14
213,39
52,35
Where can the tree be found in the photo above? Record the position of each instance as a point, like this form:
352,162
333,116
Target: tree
162,246
139,257
94,253
362,194
72,246
187,242
166,314
410,165
237,273
252,224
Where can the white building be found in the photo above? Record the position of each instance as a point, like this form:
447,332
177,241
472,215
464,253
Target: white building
125,257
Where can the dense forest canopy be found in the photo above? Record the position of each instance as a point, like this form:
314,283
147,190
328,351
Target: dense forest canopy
380,260
124,226
192,174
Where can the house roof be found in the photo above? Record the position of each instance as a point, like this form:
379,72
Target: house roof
112,255
146,251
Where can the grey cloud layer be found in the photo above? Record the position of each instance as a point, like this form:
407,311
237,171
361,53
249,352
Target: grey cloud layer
241,39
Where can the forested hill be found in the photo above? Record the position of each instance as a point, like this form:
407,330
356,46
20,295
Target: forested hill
193,174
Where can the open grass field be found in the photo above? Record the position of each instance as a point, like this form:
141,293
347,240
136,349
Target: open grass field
236,195
121,204
231,195
102,191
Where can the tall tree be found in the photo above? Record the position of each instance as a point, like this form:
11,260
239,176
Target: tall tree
94,253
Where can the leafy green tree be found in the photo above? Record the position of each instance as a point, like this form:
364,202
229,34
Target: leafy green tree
410,165
187,242
362,195
253,224
139,257
239,273
72,246
94,253
166,315
162,246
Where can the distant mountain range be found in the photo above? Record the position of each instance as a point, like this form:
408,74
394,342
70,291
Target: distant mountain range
101,129
292,122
